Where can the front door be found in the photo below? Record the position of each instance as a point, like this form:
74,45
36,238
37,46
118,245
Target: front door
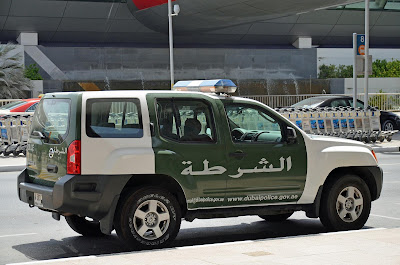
263,167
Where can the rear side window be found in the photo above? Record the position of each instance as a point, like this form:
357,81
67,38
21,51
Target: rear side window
114,118
51,120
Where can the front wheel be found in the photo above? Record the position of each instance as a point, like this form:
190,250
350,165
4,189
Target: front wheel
388,125
84,226
148,218
345,204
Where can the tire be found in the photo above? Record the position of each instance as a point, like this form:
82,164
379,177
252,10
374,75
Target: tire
148,218
388,125
345,204
277,217
83,226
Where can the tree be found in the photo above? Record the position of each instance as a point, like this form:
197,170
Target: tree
12,78
380,68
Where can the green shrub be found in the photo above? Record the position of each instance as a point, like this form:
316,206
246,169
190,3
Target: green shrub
32,72
380,68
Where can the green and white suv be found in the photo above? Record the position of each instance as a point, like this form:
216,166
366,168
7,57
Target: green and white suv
141,161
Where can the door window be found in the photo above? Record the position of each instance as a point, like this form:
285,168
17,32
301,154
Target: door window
252,124
114,118
359,104
185,120
338,103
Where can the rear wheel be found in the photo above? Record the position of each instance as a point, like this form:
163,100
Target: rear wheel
148,218
84,226
345,204
277,217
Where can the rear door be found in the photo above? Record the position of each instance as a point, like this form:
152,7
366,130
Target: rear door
52,130
115,134
190,147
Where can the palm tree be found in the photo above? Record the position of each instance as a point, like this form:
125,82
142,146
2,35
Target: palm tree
12,79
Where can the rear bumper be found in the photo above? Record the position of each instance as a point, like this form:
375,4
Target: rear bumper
90,196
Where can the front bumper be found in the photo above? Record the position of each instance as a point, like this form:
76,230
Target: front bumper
83,195
397,124
377,174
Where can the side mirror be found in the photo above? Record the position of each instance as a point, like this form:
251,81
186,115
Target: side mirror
291,135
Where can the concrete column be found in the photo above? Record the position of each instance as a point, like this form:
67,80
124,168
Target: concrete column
28,39
30,44
303,43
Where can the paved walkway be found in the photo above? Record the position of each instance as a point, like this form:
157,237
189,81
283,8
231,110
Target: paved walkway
12,163
368,246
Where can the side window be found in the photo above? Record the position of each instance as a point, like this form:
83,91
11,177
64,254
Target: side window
338,103
359,104
32,108
185,120
252,124
113,118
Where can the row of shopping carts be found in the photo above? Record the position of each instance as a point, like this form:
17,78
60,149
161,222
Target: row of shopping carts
14,134
345,122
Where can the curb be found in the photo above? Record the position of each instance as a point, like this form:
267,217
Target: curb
12,168
386,149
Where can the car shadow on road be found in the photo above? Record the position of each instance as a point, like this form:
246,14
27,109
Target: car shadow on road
86,246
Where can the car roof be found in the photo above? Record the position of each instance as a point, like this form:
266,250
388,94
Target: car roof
331,97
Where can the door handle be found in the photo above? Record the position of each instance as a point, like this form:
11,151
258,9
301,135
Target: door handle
238,155
52,168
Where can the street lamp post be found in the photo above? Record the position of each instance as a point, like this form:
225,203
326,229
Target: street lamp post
171,38
366,54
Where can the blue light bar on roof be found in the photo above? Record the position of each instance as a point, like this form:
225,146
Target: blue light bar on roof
213,86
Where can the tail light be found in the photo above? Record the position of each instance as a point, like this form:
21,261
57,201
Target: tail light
74,158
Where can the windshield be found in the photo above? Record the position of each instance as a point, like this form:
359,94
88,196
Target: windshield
309,103
51,120
12,105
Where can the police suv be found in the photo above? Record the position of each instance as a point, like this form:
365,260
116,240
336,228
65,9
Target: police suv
141,161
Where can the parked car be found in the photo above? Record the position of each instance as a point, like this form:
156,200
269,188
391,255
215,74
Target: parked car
23,105
389,120
141,161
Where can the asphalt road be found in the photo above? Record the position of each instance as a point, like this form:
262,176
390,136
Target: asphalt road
29,234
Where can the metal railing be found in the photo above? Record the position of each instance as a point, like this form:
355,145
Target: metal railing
383,101
6,101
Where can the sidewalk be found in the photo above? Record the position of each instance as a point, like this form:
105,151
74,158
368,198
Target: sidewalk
392,146
8,164
367,246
